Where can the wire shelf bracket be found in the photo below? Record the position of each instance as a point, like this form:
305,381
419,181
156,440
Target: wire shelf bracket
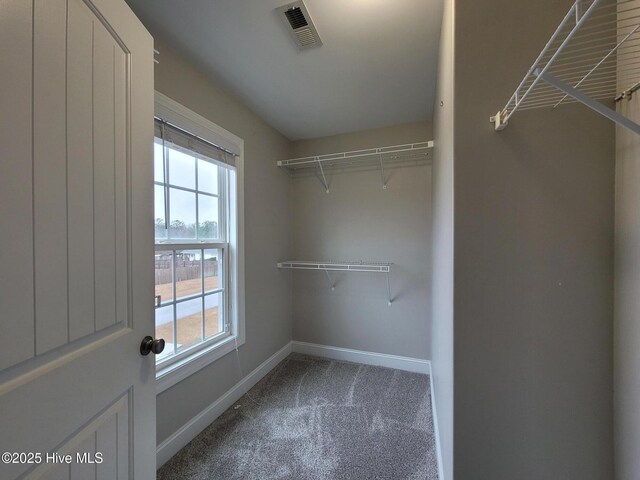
374,158
593,55
370,267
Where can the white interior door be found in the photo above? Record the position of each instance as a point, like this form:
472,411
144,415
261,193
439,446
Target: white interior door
76,240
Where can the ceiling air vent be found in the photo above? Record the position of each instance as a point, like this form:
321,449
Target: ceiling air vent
298,21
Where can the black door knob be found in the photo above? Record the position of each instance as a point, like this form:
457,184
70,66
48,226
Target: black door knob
150,345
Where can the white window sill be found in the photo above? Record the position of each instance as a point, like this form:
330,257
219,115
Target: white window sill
167,377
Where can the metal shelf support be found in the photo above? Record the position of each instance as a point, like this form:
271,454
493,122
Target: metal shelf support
382,177
324,178
331,284
388,290
589,102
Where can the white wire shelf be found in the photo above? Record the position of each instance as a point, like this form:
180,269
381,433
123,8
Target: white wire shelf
327,266
338,266
410,152
593,55
382,157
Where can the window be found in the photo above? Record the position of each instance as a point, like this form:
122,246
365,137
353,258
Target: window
197,241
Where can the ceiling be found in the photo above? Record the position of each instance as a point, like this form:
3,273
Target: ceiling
376,67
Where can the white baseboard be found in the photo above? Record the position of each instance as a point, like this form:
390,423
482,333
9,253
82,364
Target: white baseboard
409,364
197,424
436,430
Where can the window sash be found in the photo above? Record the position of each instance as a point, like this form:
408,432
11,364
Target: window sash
226,332
222,196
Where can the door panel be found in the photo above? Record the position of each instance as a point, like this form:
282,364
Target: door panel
16,254
54,407
98,443
76,283
80,168
104,175
120,179
49,175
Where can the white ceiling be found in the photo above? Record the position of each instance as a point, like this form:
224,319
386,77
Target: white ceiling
377,66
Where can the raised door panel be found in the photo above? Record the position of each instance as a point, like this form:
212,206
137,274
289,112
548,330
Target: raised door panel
99,451
16,176
80,169
65,198
104,199
49,174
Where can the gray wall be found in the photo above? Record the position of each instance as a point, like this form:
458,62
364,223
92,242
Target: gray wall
267,239
627,298
442,251
358,220
534,211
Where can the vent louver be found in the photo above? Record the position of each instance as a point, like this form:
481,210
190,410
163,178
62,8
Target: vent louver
299,24
296,18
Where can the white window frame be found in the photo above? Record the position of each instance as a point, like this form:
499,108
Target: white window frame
180,116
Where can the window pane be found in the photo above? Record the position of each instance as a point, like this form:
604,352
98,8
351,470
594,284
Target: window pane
182,169
207,176
182,212
158,174
161,231
208,217
189,318
188,273
212,270
213,318
164,276
164,329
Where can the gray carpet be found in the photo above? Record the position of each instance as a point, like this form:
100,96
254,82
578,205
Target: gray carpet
316,419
